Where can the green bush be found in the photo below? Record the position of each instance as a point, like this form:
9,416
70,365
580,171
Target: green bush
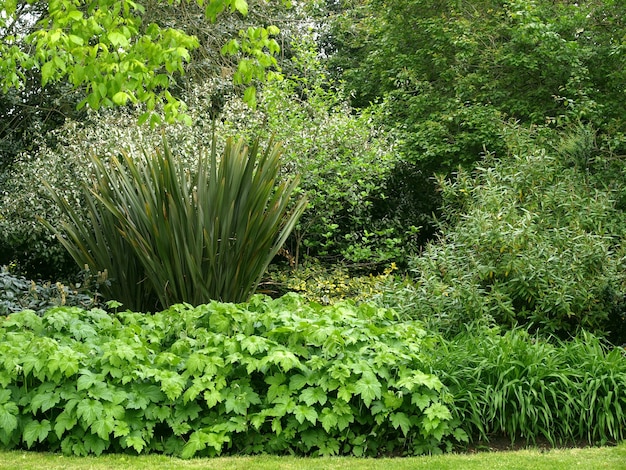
275,376
323,285
344,157
526,240
166,233
520,386
18,293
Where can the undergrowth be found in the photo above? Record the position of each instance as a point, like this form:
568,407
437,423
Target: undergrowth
275,376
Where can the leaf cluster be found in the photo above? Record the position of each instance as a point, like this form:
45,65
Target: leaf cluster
271,376
18,293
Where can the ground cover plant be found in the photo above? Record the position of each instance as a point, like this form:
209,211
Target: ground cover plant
276,376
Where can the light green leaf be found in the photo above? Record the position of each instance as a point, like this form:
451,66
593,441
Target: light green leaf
328,420
241,6
36,431
368,387
401,420
117,39
302,413
313,395
8,416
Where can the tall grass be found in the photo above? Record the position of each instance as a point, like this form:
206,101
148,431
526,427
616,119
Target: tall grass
519,386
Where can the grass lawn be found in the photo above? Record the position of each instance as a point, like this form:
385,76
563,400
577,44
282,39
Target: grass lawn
613,458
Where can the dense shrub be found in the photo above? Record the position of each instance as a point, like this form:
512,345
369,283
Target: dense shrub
526,240
18,293
270,376
520,386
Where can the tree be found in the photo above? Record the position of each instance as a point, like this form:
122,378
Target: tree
106,48
450,73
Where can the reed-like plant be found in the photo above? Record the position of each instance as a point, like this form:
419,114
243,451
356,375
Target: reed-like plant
174,234
523,387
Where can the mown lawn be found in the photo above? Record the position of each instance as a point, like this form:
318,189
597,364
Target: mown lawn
613,458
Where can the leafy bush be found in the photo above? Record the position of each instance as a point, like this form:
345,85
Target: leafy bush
344,157
527,240
18,293
270,376
163,231
520,386
317,283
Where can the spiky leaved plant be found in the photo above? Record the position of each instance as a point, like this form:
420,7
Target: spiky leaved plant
188,235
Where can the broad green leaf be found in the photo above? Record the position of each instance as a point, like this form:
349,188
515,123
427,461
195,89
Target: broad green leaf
241,6
313,395
89,411
36,431
117,39
328,420
103,427
402,421
368,387
438,410
8,416
302,413
64,422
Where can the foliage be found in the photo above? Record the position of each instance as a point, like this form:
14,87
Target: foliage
344,157
520,386
105,47
18,293
527,240
326,286
449,74
275,376
164,231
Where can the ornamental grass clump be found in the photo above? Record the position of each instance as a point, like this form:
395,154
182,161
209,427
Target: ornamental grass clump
167,234
519,386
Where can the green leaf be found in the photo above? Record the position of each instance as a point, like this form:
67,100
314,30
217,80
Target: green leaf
89,411
368,387
438,410
103,427
421,400
64,422
297,382
136,441
328,419
117,39
8,416
313,395
120,98
36,431
249,96
47,71
302,413
401,420
241,6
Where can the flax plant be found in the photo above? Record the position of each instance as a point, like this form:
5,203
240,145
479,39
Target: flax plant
193,235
